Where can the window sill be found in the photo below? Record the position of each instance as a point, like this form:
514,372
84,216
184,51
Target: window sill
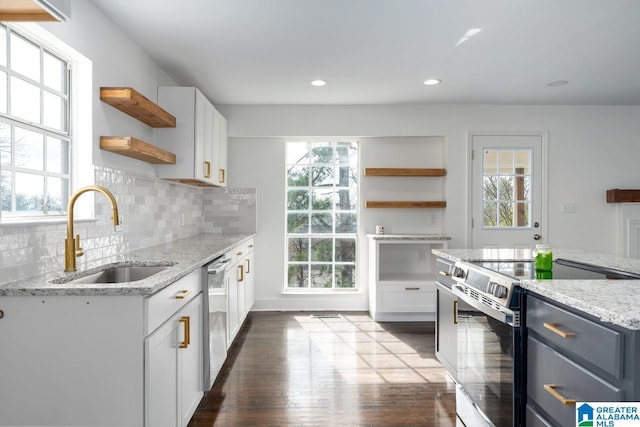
33,222
321,292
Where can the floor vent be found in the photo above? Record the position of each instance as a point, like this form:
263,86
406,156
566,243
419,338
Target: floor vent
326,316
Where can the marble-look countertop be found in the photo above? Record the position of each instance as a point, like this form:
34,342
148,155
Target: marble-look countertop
183,256
407,237
613,301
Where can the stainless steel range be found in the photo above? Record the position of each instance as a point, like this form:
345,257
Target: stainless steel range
489,390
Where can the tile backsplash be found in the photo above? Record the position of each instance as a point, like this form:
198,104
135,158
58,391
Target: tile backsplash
152,211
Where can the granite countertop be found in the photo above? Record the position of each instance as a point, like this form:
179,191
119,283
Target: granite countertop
183,256
613,301
407,237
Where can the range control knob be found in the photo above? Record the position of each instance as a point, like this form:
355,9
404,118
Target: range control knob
497,290
458,272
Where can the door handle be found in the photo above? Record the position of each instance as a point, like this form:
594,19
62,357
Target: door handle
537,236
186,322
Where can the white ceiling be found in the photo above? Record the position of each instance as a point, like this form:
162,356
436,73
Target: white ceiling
380,51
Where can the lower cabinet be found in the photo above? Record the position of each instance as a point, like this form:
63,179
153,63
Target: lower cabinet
402,285
102,360
240,288
173,368
446,329
574,357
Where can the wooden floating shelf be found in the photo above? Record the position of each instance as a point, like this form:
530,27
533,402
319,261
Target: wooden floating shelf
404,204
137,149
623,196
136,105
404,172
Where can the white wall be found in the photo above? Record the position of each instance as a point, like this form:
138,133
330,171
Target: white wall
117,61
591,149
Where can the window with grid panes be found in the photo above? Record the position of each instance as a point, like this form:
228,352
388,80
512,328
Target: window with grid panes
321,214
35,141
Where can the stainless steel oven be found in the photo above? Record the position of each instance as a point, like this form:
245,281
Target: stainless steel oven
489,389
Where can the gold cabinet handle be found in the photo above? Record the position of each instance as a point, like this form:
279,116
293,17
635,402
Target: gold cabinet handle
551,389
250,246
455,312
553,328
444,273
411,289
248,261
207,168
183,294
222,175
239,253
186,323
240,273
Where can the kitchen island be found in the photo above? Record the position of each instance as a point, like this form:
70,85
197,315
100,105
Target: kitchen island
576,340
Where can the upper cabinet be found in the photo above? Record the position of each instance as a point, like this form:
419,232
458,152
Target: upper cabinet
200,138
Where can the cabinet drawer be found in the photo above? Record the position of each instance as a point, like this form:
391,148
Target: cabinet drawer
407,298
546,366
163,304
587,339
239,253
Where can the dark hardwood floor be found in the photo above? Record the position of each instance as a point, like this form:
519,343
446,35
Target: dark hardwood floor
290,369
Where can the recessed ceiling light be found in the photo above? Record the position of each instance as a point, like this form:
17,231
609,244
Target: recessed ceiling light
318,83
558,83
431,82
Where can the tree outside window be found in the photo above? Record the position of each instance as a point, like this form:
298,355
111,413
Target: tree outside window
322,179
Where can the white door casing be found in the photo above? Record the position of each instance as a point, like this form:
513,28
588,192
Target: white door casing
518,159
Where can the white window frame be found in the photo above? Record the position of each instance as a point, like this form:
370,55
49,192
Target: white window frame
80,119
333,235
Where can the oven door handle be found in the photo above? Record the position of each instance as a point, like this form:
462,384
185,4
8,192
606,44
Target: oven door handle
507,317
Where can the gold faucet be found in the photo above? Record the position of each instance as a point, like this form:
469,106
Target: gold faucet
72,247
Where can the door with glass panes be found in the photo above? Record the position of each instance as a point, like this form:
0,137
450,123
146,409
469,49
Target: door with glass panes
508,190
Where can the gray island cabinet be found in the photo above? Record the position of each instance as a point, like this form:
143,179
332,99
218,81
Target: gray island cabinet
582,337
575,357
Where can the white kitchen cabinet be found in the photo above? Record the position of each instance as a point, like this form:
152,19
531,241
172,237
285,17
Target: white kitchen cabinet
173,368
240,288
199,138
80,360
402,277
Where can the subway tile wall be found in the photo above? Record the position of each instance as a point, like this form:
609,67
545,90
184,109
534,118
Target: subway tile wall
152,211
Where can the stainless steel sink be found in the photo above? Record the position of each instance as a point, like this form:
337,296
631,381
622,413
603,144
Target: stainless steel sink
118,274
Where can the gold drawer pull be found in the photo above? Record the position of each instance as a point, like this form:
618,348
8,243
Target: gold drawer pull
239,253
455,312
240,273
186,322
553,328
248,262
411,289
551,389
183,294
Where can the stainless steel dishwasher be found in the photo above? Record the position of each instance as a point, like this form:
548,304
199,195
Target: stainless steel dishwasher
215,318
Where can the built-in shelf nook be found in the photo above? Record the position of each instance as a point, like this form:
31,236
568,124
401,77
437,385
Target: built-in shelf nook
405,172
